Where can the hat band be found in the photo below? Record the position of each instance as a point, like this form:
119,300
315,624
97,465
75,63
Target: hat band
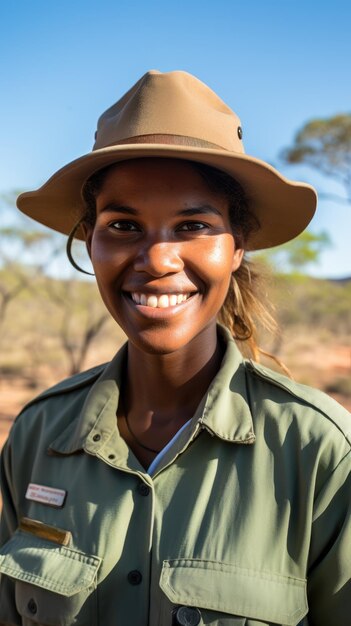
174,140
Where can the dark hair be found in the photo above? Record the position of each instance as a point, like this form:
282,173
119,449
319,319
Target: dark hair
244,309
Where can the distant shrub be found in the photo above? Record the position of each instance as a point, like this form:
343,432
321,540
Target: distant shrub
12,370
341,385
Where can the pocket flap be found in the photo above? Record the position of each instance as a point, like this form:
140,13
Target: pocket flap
56,568
235,590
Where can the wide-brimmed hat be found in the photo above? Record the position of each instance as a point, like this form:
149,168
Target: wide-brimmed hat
175,115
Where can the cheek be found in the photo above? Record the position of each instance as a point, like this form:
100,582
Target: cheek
100,249
218,260
106,257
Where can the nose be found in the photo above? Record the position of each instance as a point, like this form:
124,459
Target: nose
159,258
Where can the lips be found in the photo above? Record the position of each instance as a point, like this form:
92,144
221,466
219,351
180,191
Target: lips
160,301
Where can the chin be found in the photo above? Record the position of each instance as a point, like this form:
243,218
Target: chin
160,342
158,347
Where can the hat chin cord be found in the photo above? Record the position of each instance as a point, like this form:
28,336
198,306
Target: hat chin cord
69,249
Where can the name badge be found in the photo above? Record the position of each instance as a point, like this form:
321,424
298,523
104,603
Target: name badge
46,495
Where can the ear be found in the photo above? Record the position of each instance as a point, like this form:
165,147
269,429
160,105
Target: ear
237,258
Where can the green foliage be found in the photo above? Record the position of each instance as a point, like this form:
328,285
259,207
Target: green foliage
9,198
26,237
325,144
297,254
313,304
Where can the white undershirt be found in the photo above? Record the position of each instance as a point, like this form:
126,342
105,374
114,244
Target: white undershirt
162,452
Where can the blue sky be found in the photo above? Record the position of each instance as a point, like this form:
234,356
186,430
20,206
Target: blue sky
276,63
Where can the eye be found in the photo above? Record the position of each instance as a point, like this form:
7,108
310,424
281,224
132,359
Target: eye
125,226
192,226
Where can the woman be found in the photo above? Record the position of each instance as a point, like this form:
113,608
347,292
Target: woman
179,484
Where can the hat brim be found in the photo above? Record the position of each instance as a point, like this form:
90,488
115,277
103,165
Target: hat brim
283,208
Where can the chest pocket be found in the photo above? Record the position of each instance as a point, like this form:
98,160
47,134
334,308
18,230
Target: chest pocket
222,594
54,584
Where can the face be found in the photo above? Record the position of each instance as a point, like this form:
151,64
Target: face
163,252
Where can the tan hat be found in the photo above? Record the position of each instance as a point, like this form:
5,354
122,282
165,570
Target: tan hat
174,115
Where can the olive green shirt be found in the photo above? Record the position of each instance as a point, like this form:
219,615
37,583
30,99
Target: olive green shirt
246,521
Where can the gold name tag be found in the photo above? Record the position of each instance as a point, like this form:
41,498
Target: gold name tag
44,531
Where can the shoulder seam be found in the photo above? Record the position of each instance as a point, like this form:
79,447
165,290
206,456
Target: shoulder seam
78,381
264,375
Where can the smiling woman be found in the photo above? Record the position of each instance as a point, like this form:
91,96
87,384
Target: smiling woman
238,312
142,501
160,232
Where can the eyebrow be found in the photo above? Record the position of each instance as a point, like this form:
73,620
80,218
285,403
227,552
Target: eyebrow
200,210
118,208
196,210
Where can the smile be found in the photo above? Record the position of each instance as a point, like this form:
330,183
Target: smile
162,301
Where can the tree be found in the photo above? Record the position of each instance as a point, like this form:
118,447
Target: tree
81,318
296,255
26,257
325,144
15,276
286,263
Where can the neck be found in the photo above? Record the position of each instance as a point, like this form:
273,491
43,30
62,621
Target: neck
168,383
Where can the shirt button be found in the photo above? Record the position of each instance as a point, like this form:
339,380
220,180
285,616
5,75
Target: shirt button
135,577
143,489
96,437
187,616
32,607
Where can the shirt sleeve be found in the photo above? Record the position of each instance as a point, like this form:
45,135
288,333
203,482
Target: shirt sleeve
8,524
329,577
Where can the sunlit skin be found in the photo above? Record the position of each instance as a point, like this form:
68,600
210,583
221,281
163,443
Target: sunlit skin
160,231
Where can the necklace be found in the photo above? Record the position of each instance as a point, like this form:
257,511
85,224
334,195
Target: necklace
136,438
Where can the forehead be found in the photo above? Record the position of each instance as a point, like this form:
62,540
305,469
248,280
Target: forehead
155,175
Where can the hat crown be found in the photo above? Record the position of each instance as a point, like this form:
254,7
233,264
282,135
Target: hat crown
170,105
174,115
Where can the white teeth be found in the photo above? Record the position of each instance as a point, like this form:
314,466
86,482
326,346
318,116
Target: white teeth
162,302
151,301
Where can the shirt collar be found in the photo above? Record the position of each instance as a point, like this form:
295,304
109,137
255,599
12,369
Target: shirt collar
224,411
97,421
